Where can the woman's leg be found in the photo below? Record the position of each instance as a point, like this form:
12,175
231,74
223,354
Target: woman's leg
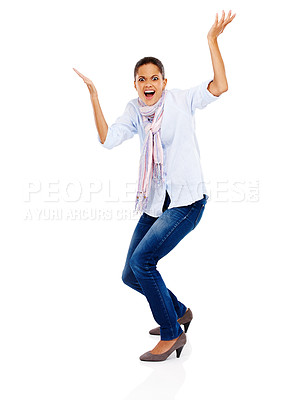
144,224
158,240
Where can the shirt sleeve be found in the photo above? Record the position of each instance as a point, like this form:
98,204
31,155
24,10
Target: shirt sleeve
199,96
123,128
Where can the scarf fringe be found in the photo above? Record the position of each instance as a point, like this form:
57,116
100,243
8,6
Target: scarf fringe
141,198
141,202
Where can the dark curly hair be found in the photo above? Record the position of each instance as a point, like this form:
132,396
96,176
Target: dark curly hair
149,60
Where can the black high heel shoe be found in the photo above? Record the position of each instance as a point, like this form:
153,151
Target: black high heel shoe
178,346
185,320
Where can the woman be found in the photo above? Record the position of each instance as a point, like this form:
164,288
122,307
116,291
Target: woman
171,193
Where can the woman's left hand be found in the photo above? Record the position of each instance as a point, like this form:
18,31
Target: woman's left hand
218,27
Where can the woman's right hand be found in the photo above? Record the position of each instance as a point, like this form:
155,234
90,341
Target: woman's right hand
89,83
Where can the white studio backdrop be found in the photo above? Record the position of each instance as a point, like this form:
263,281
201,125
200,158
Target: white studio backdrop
70,329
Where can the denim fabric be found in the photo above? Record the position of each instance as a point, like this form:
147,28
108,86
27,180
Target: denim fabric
152,239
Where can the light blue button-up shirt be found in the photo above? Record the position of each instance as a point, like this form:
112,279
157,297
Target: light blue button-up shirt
182,169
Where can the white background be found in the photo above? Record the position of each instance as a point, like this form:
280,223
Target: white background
70,328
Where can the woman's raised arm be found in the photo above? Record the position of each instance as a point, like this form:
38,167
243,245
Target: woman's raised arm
219,84
101,124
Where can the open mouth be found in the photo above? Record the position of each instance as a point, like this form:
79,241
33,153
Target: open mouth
149,94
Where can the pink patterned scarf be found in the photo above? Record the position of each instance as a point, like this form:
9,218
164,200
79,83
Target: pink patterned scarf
151,159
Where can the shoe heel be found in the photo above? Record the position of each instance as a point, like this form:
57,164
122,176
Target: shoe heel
179,351
186,325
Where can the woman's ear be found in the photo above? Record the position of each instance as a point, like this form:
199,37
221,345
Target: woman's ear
165,83
135,85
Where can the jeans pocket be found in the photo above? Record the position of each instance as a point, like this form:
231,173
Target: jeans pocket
199,215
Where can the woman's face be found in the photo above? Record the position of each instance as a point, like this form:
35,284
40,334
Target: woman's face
149,79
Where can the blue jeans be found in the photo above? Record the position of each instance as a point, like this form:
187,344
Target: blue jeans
152,239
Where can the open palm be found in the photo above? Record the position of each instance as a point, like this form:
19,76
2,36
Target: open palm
218,27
